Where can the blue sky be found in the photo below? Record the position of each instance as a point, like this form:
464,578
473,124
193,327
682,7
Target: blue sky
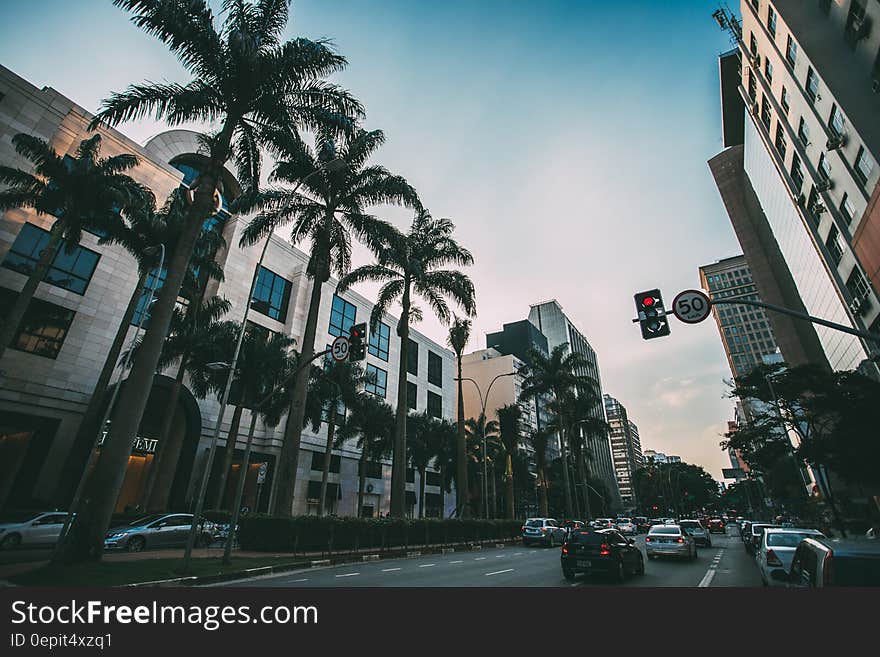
567,140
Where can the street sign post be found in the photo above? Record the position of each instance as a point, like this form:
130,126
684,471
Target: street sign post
691,306
339,349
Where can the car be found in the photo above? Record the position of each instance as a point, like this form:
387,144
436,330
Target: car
570,525
542,530
756,533
777,550
744,530
834,562
602,523
626,527
158,531
31,529
642,525
716,526
670,540
607,551
696,530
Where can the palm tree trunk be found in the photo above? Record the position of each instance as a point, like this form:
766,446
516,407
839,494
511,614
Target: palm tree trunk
284,481
239,489
565,478
442,491
85,539
582,479
362,479
87,433
398,462
13,318
462,497
542,488
494,498
509,502
229,453
164,464
421,492
328,455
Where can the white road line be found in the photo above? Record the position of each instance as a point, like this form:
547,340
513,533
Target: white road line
517,554
498,572
479,558
499,556
301,580
348,575
388,570
459,561
707,578
427,565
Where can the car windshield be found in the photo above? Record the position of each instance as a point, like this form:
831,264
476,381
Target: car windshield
856,571
146,520
671,531
623,520
534,523
786,539
758,530
691,524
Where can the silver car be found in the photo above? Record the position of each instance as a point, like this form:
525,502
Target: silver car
670,541
542,530
158,531
695,529
34,529
777,551
626,527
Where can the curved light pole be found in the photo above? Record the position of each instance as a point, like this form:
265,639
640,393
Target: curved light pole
483,402
335,164
93,454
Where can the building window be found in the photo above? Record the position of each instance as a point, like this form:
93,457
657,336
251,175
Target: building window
780,140
412,357
856,25
435,369
797,174
864,165
753,44
380,387
43,327
379,341
768,70
432,479
372,470
753,86
823,169
814,203
342,316
71,271
791,52
318,462
412,394
271,294
771,20
847,209
765,111
832,243
785,100
812,84
835,121
856,284
435,405
804,132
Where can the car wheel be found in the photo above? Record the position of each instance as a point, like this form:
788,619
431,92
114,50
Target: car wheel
640,570
10,542
136,544
569,574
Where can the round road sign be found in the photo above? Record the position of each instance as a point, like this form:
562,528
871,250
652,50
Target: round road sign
691,306
339,349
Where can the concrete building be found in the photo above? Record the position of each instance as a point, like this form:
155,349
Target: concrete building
746,332
798,188
50,370
626,448
551,320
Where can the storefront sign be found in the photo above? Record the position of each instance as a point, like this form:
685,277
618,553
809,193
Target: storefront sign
141,445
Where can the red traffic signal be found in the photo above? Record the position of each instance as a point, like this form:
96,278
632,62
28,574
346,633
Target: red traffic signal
651,314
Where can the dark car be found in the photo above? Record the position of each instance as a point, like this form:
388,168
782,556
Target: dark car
571,525
601,551
716,526
833,562
642,525
158,531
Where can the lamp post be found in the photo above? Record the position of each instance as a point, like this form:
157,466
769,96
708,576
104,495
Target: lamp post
483,402
93,454
335,164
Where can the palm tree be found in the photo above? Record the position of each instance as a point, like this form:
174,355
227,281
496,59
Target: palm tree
509,437
459,334
556,374
245,81
371,422
330,207
418,450
443,439
539,439
475,428
336,385
407,264
83,192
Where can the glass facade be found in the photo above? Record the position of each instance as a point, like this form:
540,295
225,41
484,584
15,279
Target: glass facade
412,395
379,340
435,369
412,357
342,316
70,271
380,387
271,295
435,404
43,328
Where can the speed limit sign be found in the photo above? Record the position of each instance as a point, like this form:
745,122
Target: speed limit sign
339,349
691,306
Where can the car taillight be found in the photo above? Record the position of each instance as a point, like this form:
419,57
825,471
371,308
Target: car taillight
648,539
604,550
523,528
680,540
772,559
545,529
565,548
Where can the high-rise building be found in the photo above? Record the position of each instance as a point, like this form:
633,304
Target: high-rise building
798,188
626,448
551,320
746,331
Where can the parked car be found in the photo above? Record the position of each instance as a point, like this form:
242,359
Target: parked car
777,550
601,551
744,530
756,533
642,524
31,529
542,530
716,526
158,531
833,562
670,540
626,527
696,530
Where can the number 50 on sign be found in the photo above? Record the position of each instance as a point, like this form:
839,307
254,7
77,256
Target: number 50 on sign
691,306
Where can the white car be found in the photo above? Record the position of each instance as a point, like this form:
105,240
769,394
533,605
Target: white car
36,529
777,551
626,527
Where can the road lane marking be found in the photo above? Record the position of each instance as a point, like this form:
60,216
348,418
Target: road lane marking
517,554
499,556
427,565
348,575
458,561
479,558
388,570
498,572
301,580
707,578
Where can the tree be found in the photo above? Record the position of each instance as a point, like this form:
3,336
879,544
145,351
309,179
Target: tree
478,430
84,192
539,439
331,206
409,264
428,440
246,82
509,438
459,334
371,422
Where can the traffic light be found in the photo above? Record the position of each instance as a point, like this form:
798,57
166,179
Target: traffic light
652,315
357,349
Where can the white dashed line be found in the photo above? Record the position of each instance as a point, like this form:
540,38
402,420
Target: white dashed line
388,570
498,572
459,561
301,580
479,558
348,575
499,556
517,554
427,565
707,578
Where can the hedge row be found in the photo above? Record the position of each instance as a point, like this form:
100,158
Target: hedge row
312,534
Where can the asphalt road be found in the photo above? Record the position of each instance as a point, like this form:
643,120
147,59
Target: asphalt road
724,564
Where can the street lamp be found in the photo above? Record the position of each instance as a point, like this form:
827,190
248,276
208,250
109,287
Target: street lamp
336,164
483,402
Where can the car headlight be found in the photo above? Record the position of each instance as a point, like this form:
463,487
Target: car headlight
117,535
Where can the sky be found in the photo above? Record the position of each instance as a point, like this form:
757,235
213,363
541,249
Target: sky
567,140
